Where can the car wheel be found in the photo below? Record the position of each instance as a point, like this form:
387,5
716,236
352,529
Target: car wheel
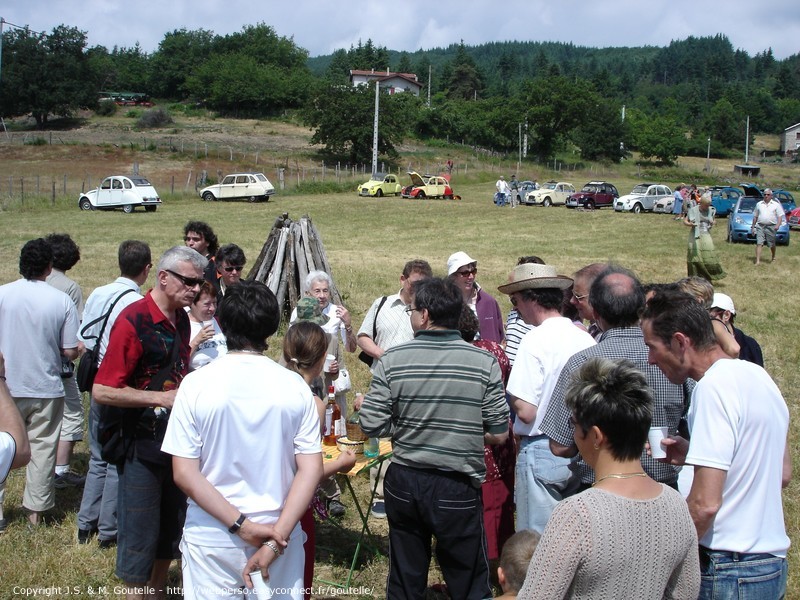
421,195
252,199
589,205
379,193
85,204
150,208
127,209
448,197
209,197
637,208
547,202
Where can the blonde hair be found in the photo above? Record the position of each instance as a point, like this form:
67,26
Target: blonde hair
698,288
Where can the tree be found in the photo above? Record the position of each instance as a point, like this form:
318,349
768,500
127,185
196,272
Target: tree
177,57
342,117
46,74
602,132
660,138
464,80
724,124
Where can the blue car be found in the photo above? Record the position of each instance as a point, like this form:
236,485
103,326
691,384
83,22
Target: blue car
741,219
723,199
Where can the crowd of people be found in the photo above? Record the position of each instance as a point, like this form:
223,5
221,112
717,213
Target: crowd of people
523,446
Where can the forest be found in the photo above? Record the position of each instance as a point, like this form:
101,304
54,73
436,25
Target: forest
595,103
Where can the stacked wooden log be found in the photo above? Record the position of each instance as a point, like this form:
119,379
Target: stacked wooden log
293,249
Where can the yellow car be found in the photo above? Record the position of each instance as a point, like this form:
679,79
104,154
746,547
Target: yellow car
380,185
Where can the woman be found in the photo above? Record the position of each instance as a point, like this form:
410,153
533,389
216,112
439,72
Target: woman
497,490
462,270
701,258
304,349
207,342
628,536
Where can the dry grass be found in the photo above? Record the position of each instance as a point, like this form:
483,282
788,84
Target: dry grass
368,241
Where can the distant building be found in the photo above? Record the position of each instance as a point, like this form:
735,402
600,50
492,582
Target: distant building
790,140
393,83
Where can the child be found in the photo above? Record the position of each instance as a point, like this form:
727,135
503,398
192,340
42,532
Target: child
514,561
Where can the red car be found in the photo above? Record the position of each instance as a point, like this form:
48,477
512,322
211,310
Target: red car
793,217
429,186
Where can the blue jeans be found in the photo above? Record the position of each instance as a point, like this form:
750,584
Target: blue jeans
725,575
542,481
99,503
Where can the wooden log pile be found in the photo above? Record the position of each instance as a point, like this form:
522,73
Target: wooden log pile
293,249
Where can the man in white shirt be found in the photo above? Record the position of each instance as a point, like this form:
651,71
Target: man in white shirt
768,216
739,423
503,190
542,479
15,451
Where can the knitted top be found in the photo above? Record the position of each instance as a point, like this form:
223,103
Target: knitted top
598,545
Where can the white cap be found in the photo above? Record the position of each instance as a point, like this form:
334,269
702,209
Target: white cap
723,302
458,260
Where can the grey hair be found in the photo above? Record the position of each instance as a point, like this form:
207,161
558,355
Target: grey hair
178,254
317,276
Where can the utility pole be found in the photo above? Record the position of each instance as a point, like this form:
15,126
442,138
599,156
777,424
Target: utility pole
375,128
747,141
708,156
430,67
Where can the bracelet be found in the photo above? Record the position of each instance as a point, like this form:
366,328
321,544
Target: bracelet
272,546
237,524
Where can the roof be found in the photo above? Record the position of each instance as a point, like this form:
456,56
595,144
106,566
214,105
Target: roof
792,126
385,76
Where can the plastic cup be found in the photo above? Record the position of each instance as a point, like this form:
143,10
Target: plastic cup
260,587
328,361
208,324
654,436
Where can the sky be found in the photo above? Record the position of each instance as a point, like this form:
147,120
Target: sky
322,26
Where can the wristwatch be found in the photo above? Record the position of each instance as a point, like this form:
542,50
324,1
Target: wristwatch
238,524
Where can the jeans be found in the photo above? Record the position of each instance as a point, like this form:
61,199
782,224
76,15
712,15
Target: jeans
725,575
542,481
99,503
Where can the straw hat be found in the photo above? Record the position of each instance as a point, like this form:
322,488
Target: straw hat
533,276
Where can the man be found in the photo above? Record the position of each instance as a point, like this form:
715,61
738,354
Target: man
38,325
502,191
439,399
66,255
516,327
462,270
15,451
230,261
583,280
722,308
768,216
213,449
98,510
542,479
199,236
513,186
386,325
738,422
616,298
146,359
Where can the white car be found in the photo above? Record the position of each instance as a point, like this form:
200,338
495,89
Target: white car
119,191
550,194
250,186
665,205
643,197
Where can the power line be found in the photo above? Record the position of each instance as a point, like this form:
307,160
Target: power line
4,22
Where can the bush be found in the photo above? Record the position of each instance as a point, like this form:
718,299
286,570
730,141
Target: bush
157,117
106,108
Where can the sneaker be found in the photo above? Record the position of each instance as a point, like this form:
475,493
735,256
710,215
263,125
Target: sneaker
106,544
336,508
379,509
84,535
69,479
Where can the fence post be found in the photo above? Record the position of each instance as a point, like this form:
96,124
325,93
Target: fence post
65,184
172,188
53,195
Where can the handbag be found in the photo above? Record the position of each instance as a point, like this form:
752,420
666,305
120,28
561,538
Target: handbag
87,366
363,356
342,383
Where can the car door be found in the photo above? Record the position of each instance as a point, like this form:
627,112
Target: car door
436,187
110,192
227,187
130,194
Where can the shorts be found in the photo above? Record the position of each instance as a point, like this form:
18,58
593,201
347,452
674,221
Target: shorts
765,233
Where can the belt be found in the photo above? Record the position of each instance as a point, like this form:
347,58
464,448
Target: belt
735,556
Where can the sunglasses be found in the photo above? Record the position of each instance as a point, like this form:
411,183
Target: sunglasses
467,272
233,268
187,281
579,297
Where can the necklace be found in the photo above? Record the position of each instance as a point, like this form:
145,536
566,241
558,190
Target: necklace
246,352
619,476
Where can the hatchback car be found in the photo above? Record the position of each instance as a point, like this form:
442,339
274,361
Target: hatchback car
379,185
550,194
429,186
252,187
723,199
643,197
119,191
594,195
793,217
740,222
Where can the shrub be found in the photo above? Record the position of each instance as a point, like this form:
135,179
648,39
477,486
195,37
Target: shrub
106,108
156,117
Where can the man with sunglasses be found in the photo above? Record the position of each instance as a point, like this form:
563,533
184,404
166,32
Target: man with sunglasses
768,216
146,359
230,262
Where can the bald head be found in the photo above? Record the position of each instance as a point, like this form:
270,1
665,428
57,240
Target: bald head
583,280
617,297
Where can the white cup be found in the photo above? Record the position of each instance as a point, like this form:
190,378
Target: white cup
208,324
260,587
328,361
654,436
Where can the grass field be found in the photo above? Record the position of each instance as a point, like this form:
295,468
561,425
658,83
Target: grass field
367,242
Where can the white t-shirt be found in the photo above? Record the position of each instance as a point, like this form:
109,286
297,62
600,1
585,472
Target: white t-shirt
97,305
769,213
245,417
542,354
739,420
8,449
208,350
36,321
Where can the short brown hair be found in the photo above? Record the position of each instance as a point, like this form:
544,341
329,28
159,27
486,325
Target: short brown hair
516,557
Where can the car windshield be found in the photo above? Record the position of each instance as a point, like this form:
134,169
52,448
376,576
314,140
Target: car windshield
747,205
550,185
640,189
589,188
140,181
